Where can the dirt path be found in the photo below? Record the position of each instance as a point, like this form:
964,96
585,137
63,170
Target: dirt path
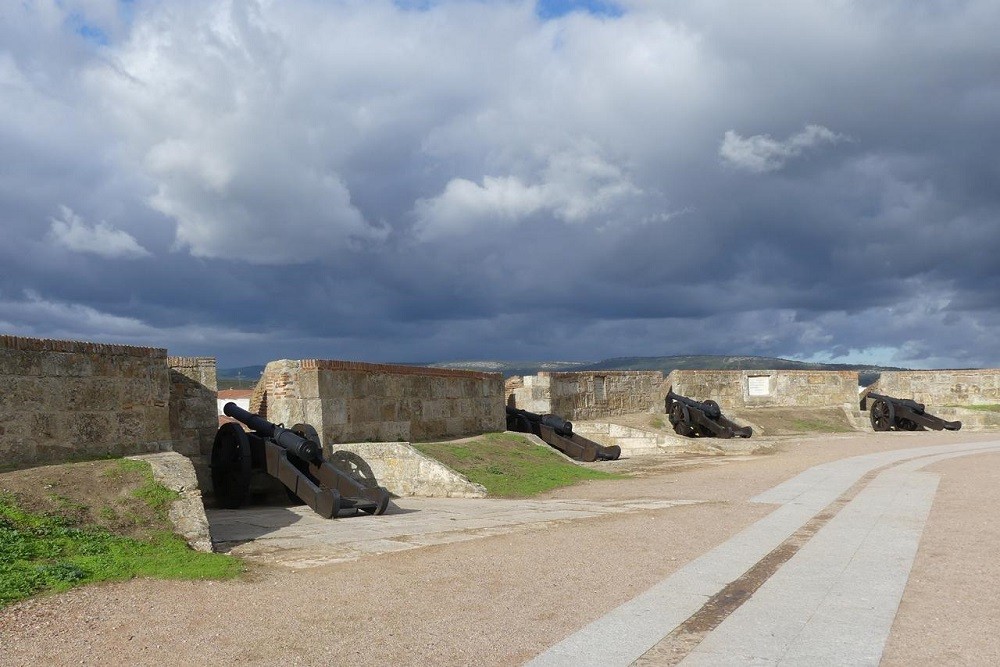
501,600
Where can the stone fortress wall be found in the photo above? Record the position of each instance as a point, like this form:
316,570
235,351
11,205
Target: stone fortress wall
766,389
193,404
350,401
63,400
586,394
942,387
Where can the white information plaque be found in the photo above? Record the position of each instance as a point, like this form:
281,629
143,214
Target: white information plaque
759,385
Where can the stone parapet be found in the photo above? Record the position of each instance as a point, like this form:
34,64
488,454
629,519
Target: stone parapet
763,388
193,404
354,401
588,394
63,400
942,387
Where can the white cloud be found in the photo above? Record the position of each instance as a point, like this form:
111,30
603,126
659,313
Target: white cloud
575,185
761,153
70,231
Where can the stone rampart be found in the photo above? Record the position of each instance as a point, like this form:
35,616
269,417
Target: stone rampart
589,394
193,404
350,401
942,387
61,400
759,389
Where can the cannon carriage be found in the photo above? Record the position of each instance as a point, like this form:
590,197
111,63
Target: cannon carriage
903,414
293,456
558,433
693,419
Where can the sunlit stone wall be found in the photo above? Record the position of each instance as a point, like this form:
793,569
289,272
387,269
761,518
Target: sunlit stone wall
349,401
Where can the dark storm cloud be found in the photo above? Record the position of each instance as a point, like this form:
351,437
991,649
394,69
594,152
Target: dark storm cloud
444,180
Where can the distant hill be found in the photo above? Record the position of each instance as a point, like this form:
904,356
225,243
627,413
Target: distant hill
509,368
247,376
866,373
244,377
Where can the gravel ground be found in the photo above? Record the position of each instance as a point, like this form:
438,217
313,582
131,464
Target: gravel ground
503,599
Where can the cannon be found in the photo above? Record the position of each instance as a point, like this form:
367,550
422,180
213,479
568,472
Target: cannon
558,433
694,419
294,457
903,414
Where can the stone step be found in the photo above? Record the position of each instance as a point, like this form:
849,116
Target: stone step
633,441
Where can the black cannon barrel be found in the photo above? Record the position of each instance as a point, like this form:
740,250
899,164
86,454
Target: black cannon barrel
554,422
910,403
302,447
711,410
558,424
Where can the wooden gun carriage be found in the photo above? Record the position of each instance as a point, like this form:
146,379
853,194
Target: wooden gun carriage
294,457
692,418
558,433
902,414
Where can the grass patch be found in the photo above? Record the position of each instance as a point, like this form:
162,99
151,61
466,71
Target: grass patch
510,466
816,426
51,542
982,407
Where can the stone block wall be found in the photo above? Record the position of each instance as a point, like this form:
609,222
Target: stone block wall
588,394
404,471
350,401
61,400
193,404
942,387
778,388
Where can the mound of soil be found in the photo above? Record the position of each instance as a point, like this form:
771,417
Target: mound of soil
91,493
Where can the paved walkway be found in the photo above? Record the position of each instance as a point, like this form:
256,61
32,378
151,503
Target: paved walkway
816,582
296,537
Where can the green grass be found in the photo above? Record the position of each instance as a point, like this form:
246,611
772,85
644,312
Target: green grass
510,466
816,426
44,553
154,494
983,407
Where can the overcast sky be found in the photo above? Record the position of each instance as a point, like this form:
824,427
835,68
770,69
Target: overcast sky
504,179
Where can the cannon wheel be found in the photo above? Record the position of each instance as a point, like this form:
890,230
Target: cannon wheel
680,417
882,415
354,467
231,466
358,469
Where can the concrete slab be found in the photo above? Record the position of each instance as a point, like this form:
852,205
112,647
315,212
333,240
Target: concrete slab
296,537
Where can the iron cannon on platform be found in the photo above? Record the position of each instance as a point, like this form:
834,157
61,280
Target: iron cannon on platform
294,457
692,418
558,433
903,414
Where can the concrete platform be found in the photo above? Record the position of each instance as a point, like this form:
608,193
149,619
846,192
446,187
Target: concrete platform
298,538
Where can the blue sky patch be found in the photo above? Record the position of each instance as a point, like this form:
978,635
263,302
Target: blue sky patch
550,9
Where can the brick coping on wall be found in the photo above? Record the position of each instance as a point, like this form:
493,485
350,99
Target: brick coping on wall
759,371
970,371
78,347
394,369
190,362
558,374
